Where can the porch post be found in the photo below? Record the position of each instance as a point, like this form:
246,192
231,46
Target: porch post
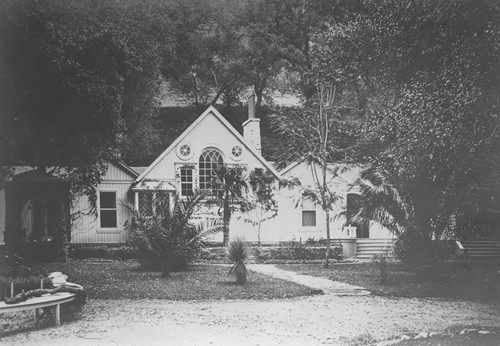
170,200
136,201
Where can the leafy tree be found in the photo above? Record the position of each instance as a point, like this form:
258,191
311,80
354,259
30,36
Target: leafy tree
424,76
79,81
323,132
436,129
210,60
315,134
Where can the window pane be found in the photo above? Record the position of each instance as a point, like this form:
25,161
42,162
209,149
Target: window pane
187,182
209,161
308,218
107,199
186,189
146,204
108,219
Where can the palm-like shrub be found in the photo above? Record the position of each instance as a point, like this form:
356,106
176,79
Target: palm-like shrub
170,238
237,253
381,201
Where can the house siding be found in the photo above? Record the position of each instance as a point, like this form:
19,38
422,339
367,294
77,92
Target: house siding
85,226
290,212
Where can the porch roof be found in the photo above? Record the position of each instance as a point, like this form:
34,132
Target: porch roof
154,185
36,176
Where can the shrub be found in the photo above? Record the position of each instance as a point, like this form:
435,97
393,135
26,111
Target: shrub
170,239
417,250
123,252
296,251
336,252
35,252
237,253
381,261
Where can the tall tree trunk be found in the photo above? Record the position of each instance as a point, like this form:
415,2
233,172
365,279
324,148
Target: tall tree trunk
258,233
226,216
259,86
327,252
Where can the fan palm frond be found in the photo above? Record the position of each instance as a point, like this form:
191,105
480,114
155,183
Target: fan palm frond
380,201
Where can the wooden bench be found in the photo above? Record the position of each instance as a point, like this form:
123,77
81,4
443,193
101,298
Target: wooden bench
41,302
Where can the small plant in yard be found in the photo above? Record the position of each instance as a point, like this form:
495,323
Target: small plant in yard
381,261
237,253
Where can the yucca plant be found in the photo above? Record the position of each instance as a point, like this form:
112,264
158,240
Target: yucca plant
237,253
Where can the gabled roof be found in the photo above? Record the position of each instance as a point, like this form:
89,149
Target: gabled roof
139,170
126,168
303,160
231,129
291,166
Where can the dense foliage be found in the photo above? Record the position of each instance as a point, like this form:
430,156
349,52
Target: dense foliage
171,238
434,133
79,84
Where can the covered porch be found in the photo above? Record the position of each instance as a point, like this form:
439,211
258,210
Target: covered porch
37,215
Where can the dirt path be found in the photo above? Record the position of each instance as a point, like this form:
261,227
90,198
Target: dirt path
326,285
314,320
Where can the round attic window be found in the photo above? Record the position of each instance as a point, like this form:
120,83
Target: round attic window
236,152
184,151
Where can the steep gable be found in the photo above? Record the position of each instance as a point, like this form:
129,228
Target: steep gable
210,130
119,171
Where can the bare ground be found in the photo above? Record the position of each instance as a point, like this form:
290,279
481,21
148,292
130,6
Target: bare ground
315,320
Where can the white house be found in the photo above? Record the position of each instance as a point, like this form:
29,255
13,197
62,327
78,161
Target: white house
184,166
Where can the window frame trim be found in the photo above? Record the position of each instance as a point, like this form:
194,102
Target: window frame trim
192,182
199,176
302,209
101,229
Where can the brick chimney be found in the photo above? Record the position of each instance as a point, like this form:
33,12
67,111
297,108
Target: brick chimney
251,127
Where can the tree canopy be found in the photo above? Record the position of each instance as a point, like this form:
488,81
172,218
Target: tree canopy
79,82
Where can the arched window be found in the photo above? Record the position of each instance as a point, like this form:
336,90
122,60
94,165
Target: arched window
210,160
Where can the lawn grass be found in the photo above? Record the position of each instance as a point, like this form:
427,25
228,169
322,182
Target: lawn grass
463,281
124,280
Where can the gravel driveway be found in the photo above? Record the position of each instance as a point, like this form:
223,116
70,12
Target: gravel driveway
312,320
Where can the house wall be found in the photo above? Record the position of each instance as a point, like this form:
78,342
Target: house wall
86,225
289,219
287,224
